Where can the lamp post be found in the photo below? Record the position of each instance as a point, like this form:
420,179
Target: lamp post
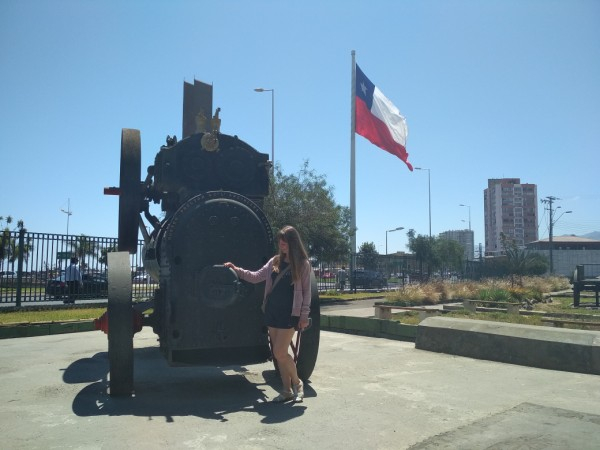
69,213
429,189
467,206
386,233
470,244
272,91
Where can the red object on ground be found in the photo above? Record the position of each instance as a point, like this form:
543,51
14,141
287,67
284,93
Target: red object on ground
136,316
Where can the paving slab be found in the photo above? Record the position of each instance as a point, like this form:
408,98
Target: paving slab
365,393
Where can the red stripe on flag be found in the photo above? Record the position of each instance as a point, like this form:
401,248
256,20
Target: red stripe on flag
377,132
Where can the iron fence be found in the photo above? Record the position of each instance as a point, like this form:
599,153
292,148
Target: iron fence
381,272
29,262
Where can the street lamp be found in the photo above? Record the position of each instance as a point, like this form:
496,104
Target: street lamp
272,91
469,214
429,187
69,213
386,233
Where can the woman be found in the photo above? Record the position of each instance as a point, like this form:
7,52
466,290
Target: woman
286,304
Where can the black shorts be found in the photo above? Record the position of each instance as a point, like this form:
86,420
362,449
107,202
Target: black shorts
278,315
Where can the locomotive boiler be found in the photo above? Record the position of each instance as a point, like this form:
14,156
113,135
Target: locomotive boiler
211,187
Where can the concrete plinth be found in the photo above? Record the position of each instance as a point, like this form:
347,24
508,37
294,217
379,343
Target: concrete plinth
527,345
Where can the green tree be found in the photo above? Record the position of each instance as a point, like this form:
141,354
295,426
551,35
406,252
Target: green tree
103,258
306,202
449,255
423,249
83,246
9,246
367,256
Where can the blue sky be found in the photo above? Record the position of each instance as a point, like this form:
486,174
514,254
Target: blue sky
489,89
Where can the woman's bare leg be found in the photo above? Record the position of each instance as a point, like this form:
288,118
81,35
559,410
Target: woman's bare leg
280,340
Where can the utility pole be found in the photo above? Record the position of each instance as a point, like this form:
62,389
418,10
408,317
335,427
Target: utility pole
549,201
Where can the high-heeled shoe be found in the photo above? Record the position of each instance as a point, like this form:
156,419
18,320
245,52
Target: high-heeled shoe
284,397
298,392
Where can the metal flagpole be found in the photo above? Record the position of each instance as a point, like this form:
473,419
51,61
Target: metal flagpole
353,170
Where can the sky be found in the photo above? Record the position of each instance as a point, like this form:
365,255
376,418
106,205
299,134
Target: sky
489,89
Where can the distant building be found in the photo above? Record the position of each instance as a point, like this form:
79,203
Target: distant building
463,237
510,208
568,252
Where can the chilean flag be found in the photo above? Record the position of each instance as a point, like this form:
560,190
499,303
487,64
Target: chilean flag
378,120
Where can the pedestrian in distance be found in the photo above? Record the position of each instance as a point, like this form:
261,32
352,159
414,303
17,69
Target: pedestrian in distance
73,280
341,278
286,304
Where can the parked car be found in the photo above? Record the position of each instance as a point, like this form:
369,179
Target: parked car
368,279
143,279
8,274
94,286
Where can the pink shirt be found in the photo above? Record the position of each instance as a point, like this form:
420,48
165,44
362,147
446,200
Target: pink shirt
302,290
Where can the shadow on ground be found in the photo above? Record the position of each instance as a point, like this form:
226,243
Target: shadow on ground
168,392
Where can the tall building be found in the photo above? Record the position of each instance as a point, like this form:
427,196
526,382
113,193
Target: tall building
464,238
510,208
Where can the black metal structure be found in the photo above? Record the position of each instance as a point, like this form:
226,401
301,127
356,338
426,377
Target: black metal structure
211,187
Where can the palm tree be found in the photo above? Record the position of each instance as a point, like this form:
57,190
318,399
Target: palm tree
5,240
520,261
83,246
9,246
103,259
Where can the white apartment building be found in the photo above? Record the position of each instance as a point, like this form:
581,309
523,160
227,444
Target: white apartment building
510,208
463,237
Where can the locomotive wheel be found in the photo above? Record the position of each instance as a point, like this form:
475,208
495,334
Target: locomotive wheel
309,343
120,325
130,191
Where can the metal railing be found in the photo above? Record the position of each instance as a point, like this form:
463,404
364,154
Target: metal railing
385,272
30,261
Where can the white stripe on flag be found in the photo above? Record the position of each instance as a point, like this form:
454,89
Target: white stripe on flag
385,111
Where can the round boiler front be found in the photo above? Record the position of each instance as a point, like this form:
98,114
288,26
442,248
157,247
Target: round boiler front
208,230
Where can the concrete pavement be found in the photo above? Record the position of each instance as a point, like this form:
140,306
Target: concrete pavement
364,393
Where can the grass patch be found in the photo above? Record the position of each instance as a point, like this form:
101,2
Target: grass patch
533,288
54,315
335,295
564,305
559,305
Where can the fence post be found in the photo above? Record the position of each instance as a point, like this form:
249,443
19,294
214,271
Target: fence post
580,272
20,266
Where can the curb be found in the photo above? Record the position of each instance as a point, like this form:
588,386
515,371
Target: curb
363,326
371,327
29,329
524,345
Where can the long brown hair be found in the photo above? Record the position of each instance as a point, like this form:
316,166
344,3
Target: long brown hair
297,255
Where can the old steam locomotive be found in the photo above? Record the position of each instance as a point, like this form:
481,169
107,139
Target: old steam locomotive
211,187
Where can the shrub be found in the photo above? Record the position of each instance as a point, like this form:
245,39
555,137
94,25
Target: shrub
494,294
490,289
415,294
